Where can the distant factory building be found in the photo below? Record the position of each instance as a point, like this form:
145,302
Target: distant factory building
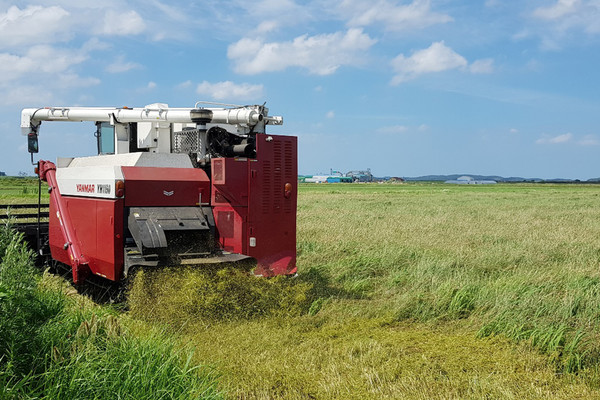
468,180
361,176
338,177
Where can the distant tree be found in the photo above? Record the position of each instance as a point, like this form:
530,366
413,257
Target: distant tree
22,174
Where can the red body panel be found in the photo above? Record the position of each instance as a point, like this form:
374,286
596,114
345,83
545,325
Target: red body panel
230,222
272,213
253,214
152,186
98,228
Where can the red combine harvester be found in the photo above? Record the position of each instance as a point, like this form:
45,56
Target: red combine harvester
188,186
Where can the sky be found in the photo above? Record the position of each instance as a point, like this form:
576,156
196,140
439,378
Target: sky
405,88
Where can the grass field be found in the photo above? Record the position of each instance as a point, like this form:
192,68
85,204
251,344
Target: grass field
20,190
411,291
423,291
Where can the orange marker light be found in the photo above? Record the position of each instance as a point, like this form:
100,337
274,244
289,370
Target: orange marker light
287,190
119,188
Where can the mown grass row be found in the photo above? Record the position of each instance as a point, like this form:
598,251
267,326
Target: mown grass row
61,347
299,338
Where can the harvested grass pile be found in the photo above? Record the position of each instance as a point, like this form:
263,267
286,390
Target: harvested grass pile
180,296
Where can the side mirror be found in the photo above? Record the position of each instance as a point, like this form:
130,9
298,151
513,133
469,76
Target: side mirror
32,142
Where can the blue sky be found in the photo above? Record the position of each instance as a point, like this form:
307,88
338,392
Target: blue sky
406,88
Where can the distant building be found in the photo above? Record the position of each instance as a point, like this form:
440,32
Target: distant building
339,179
361,176
468,180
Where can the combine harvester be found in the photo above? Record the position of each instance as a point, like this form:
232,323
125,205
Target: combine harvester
169,186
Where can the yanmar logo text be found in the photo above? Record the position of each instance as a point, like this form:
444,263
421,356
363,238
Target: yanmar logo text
93,188
86,188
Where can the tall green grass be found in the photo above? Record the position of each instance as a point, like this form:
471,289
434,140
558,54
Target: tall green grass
521,261
24,310
55,346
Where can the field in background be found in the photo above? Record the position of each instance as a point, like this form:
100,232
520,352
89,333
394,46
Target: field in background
406,291
422,291
21,190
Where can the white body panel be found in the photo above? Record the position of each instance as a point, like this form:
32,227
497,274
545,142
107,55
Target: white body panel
96,176
89,182
134,160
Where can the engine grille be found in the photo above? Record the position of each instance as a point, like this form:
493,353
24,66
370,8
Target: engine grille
186,141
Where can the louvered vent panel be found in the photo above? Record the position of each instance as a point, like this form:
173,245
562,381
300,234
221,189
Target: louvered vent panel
267,187
288,157
277,177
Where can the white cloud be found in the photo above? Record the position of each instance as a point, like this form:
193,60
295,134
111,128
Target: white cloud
558,10
492,3
589,140
483,66
72,80
271,15
513,130
391,16
151,85
436,58
330,114
258,18
228,90
564,16
319,54
267,26
586,140
402,129
185,85
392,129
38,59
43,72
564,138
122,23
33,25
173,12
120,65
26,95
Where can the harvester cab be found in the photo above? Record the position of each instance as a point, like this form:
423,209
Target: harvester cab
170,185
